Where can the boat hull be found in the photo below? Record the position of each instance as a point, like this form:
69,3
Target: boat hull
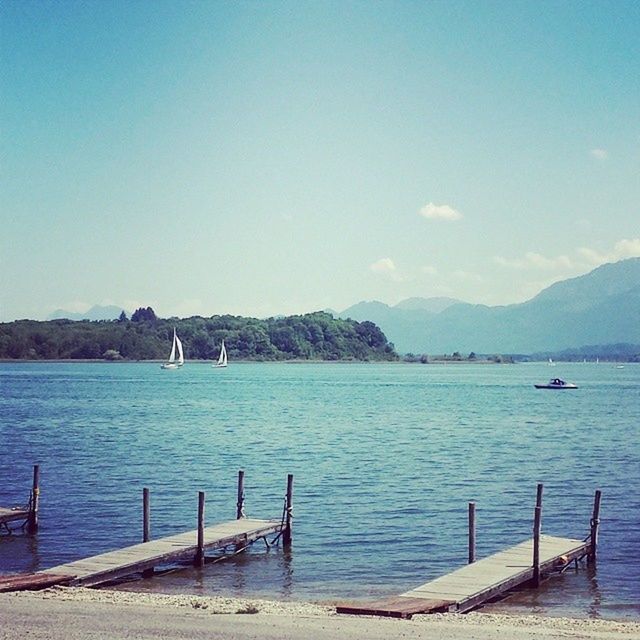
557,387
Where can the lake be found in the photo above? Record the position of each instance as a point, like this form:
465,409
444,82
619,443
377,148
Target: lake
386,458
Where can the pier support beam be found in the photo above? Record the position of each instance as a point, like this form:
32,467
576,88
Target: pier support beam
240,502
146,515
472,532
199,559
287,535
536,546
146,525
32,524
595,522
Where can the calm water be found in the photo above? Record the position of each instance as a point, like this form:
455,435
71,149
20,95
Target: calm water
385,457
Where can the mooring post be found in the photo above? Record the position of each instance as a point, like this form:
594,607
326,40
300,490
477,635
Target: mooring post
472,532
240,502
32,526
199,560
536,546
595,521
287,535
539,495
146,515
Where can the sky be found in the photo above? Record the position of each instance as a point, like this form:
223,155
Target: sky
265,158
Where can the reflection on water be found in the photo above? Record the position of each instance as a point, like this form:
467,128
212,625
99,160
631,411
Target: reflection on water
19,552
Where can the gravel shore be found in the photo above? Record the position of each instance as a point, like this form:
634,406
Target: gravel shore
89,614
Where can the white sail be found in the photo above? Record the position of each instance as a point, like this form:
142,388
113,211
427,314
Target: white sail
176,346
172,355
178,343
222,358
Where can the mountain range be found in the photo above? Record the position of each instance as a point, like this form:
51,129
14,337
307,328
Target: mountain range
96,312
601,307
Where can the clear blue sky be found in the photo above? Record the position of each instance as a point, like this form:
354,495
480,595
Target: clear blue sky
261,158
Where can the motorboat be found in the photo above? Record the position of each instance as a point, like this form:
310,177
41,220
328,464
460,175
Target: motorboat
556,383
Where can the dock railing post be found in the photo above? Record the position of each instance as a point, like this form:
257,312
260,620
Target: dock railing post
240,502
536,546
539,491
472,532
287,535
199,560
595,521
146,515
32,526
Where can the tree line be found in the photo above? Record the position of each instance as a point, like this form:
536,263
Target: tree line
313,336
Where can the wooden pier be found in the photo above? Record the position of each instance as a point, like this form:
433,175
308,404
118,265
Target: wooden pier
138,558
490,578
27,515
190,546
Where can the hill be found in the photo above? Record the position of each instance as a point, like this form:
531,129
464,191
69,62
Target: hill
316,336
599,308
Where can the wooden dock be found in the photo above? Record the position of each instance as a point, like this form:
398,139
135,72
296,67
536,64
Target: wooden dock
474,584
26,515
138,558
490,578
145,556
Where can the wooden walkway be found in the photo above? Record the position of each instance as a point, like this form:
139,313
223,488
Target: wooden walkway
476,583
12,515
141,557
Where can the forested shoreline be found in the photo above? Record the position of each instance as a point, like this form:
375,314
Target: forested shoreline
313,336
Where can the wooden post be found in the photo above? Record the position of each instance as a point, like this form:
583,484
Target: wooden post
472,532
595,521
240,502
286,538
32,525
146,515
199,560
539,495
536,546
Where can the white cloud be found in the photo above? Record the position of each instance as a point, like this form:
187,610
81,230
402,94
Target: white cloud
384,265
439,212
535,260
622,249
429,270
586,257
599,154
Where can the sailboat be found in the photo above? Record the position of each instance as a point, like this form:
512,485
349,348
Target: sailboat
551,363
222,358
176,349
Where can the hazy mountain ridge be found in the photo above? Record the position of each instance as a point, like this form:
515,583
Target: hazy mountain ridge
601,307
97,312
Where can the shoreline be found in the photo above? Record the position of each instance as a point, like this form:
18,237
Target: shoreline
69,613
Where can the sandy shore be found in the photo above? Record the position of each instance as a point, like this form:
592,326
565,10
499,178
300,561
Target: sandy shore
87,614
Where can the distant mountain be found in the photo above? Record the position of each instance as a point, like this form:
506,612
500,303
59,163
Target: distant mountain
95,313
601,307
433,305
404,323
